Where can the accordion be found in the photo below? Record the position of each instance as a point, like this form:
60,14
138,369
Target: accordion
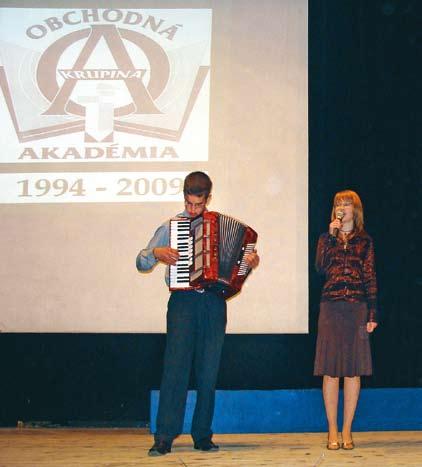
212,249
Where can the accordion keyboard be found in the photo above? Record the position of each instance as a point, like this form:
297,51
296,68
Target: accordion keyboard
180,240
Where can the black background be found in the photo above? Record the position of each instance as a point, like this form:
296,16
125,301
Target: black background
364,134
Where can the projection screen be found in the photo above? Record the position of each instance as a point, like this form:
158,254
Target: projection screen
104,110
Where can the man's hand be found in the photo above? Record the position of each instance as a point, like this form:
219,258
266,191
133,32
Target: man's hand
252,259
166,255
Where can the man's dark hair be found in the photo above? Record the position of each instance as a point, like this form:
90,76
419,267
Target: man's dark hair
198,184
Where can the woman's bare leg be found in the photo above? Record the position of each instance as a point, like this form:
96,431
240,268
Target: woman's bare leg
351,396
330,388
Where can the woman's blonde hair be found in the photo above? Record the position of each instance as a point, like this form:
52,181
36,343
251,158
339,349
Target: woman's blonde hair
353,197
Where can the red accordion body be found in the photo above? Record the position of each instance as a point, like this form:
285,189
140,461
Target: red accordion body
212,249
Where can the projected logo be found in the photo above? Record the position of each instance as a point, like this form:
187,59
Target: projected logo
107,74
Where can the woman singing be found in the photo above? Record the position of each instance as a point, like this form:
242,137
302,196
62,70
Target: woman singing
345,256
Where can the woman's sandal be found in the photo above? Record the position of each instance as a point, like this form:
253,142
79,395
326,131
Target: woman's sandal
333,445
348,445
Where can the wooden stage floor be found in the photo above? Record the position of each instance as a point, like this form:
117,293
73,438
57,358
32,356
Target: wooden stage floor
128,447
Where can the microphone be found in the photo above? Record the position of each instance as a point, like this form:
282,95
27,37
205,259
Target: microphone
339,216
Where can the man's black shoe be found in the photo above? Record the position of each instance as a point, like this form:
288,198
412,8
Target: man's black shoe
206,445
160,448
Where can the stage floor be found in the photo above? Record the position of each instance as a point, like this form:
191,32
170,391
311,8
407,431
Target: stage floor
128,447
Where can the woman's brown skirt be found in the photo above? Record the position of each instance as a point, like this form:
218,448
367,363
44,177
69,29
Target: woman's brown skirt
343,347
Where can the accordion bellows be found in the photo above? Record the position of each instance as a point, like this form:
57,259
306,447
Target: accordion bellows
212,249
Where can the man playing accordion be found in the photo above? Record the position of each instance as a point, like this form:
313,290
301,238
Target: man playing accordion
196,325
